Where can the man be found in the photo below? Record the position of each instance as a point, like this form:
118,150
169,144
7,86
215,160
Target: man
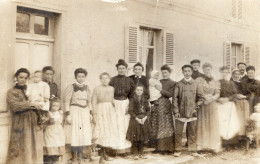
138,78
48,73
242,67
188,97
252,88
196,65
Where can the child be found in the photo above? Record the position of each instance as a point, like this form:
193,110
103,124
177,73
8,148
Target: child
54,136
188,96
77,107
39,91
139,127
253,129
154,83
105,131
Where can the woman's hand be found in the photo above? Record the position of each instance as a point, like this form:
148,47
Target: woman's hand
158,87
144,119
37,105
223,100
240,96
68,119
138,120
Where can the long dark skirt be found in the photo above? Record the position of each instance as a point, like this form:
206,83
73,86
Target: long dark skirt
26,142
138,132
162,129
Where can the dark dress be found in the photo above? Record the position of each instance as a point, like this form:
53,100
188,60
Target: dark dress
252,92
143,81
242,106
26,142
197,74
162,128
138,107
53,89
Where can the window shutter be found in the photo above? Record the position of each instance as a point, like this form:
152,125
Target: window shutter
234,8
227,54
247,55
169,49
131,44
239,9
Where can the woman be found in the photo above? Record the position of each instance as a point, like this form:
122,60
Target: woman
242,104
77,107
124,87
26,142
251,88
162,128
208,137
228,118
104,117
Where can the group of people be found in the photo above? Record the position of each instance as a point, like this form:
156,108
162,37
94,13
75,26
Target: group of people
131,112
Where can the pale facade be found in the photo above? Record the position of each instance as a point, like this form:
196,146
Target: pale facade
95,34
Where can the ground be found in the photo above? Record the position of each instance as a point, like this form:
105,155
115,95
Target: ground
230,157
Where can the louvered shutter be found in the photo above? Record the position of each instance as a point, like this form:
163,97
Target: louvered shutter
131,44
227,54
169,49
247,55
234,9
239,9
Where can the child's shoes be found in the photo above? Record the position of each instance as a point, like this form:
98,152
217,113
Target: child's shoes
136,157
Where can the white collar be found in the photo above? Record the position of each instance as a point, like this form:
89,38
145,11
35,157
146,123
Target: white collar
80,85
189,79
138,76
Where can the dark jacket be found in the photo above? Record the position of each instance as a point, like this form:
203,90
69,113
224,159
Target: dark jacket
144,81
187,95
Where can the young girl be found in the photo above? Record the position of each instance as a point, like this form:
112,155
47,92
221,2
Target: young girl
139,127
153,83
54,134
105,131
77,107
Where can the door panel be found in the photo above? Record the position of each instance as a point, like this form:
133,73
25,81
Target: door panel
33,55
22,54
42,55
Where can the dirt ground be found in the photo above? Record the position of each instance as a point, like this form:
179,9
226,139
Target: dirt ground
229,157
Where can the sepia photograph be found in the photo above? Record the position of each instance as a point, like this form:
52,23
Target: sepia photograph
130,81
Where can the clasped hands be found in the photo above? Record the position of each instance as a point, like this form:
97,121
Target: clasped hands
141,121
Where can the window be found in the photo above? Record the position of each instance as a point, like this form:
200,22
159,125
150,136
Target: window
237,9
235,53
152,47
41,25
22,22
34,21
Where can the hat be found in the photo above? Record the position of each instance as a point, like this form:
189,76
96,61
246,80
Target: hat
195,61
235,70
206,65
241,63
121,62
139,64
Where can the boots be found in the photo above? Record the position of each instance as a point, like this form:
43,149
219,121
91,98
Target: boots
101,153
74,159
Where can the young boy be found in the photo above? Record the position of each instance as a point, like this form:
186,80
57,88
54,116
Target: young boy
48,73
188,97
196,65
138,78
